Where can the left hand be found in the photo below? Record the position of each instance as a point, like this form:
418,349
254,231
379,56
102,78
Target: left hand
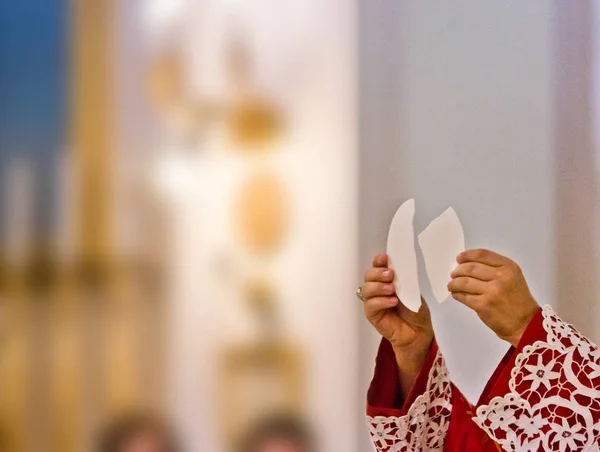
495,288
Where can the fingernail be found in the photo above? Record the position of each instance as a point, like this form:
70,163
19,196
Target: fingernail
389,288
386,273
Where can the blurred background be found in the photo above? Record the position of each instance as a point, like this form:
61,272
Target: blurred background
191,190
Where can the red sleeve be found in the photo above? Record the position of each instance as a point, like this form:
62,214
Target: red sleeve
422,421
383,398
545,394
435,416
498,383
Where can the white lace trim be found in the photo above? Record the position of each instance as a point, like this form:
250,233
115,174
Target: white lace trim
425,425
554,398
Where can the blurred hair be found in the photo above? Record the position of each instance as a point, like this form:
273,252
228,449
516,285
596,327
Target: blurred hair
286,427
119,432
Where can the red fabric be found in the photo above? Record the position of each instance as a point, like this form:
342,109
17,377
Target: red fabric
498,383
383,398
545,395
463,434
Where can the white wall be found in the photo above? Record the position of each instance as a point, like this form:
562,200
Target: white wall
457,109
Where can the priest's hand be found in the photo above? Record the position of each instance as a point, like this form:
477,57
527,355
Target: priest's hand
495,288
410,333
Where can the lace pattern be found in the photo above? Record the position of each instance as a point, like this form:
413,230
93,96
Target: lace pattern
425,425
554,395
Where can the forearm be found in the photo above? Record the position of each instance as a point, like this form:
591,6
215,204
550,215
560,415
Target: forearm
409,362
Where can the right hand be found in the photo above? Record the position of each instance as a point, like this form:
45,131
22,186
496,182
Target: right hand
409,332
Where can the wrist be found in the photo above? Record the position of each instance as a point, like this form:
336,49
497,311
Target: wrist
515,338
410,358
409,361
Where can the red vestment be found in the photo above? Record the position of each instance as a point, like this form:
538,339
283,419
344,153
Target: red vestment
544,395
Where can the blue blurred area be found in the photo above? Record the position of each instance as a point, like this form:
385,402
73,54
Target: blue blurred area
33,87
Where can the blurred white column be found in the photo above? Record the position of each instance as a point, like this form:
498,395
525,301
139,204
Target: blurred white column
577,128
316,272
66,207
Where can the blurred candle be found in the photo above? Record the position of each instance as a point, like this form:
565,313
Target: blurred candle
65,204
19,218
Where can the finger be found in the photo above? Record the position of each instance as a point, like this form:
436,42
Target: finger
474,270
385,275
467,285
375,305
482,256
381,260
469,300
377,289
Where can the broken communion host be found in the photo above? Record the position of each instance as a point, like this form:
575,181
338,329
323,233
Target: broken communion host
544,394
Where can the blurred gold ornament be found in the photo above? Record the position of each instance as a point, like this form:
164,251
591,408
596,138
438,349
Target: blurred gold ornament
262,213
261,296
254,123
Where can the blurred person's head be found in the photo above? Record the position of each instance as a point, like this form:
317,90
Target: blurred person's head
138,433
279,434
